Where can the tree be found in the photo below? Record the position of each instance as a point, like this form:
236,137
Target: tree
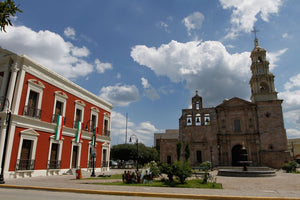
7,9
178,150
187,152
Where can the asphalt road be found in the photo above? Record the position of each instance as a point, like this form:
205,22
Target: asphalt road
17,194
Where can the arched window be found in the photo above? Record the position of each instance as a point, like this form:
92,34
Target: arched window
263,87
198,120
206,119
189,120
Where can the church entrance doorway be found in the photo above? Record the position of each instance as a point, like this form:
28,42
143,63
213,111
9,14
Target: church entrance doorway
238,155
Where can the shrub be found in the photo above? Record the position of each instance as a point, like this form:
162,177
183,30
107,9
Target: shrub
182,171
205,166
290,167
154,168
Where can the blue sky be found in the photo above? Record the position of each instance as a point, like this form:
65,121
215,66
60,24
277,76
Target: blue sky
148,57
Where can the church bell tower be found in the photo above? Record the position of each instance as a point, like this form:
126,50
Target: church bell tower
262,81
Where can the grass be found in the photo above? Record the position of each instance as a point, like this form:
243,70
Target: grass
195,183
114,176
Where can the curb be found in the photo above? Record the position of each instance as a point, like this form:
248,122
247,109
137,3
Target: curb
146,194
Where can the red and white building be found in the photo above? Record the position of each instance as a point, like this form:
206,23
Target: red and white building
52,122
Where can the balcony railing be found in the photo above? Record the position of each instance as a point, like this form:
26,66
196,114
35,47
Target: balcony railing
53,164
32,112
25,164
104,164
90,163
106,133
75,124
54,119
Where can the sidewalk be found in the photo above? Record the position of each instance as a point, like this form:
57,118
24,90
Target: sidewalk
282,185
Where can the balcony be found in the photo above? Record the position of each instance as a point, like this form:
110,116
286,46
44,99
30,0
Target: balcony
54,119
32,112
25,164
53,164
106,133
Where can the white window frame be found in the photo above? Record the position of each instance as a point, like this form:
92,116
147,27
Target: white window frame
59,142
107,147
62,97
28,134
106,117
38,87
79,105
95,111
88,160
79,153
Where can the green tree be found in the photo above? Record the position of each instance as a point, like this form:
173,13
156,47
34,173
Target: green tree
178,150
187,152
7,9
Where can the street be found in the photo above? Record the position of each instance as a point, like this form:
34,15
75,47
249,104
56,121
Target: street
16,194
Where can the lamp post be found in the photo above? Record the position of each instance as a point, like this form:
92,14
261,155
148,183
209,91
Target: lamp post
94,151
7,121
137,149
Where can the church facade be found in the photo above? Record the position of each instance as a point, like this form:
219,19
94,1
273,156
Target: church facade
219,134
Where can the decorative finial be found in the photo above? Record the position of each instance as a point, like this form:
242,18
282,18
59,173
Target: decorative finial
196,92
255,39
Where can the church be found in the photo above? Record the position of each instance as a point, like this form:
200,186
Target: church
220,134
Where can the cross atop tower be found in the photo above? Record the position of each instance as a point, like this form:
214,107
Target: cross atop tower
254,31
255,39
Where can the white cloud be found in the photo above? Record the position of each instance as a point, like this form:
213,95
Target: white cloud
149,91
273,57
118,76
48,49
193,21
204,66
294,82
285,35
144,131
80,52
69,32
145,83
101,67
120,95
293,133
245,12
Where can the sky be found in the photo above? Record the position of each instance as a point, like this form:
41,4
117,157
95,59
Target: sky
148,58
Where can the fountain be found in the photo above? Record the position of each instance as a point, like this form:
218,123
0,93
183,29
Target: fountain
246,170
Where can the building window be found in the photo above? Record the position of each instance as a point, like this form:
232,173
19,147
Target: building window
27,150
237,125
75,155
104,158
93,123
206,119
90,156
55,150
34,99
189,120
106,126
169,160
199,156
198,120
60,102
197,106
79,110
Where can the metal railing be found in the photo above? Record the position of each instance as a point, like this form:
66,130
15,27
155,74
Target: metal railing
90,163
54,119
104,164
53,164
25,164
32,112
106,133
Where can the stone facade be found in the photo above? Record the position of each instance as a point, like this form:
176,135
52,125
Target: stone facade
218,134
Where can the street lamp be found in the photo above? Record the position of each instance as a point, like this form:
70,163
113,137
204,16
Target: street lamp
7,121
137,149
94,151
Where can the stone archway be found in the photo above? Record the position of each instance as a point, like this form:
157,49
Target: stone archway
237,154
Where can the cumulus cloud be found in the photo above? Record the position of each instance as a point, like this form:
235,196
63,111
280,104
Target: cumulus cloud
69,32
245,13
149,91
204,66
120,95
48,49
273,57
193,21
101,67
293,133
144,130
